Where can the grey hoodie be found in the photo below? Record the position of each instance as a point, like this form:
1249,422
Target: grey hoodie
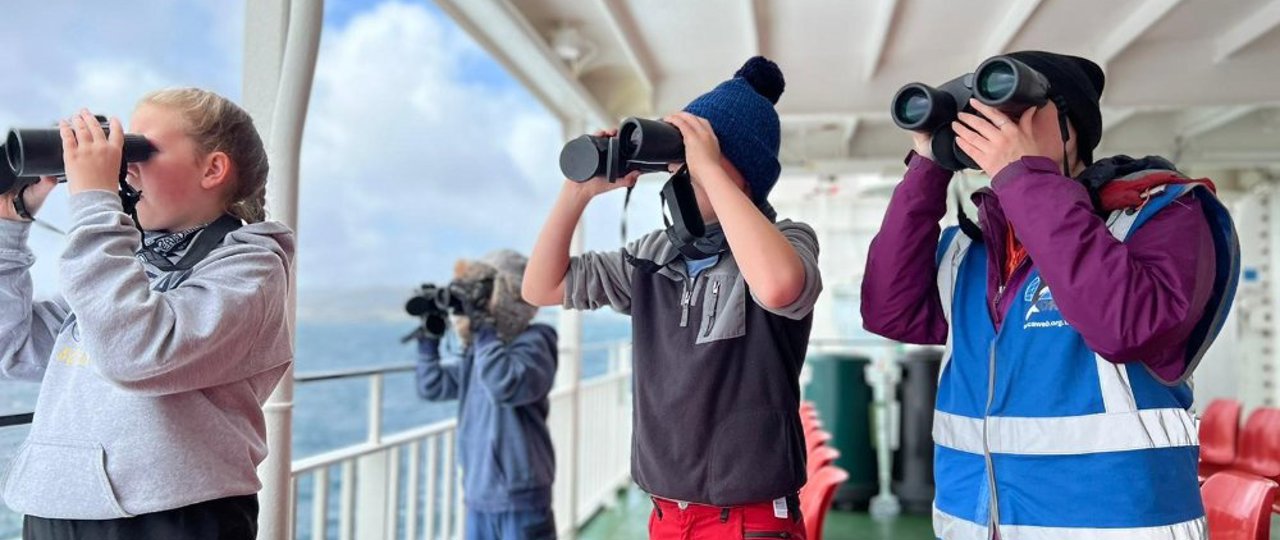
152,384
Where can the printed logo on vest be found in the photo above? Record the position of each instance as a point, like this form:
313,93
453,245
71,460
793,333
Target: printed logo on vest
1041,307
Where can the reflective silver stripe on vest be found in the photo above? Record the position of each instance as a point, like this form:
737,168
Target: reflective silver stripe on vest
948,272
949,269
1068,435
1113,380
948,527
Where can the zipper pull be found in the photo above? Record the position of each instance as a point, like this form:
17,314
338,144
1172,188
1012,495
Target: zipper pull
715,302
684,307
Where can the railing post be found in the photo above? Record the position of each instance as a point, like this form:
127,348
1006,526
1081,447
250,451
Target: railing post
372,473
375,408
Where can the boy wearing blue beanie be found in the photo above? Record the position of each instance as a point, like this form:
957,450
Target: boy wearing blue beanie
719,338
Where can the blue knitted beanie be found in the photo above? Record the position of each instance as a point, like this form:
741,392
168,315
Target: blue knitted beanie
742,115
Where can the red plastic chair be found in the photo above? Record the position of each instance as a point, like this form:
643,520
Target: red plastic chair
1219,431
1238,506
815,498
811,426
815,439
1258,451
821,457
807,406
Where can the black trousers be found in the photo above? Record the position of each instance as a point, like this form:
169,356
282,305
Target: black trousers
234,518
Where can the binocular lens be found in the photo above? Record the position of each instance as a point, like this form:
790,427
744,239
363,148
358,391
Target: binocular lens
417,305
584,158
912,106
996,82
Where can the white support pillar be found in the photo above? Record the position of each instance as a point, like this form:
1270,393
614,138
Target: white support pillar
884,374
1267,364
282,39
570,376
1245,354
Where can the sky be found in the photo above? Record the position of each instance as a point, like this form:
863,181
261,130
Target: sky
419,148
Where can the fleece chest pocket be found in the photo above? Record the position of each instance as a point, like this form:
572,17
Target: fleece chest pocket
724,308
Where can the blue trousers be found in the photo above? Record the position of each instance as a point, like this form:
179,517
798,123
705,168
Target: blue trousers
518,525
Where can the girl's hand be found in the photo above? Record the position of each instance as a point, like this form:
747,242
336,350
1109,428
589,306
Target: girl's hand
92,157
33,197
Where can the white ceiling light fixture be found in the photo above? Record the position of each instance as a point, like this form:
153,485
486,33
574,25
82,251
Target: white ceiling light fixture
572,47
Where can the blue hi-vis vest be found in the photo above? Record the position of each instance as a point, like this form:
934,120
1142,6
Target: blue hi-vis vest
1039,436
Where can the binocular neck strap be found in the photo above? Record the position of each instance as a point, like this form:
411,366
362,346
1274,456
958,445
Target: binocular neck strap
20,204
205,242
967,226
625,203
1066,133
129,197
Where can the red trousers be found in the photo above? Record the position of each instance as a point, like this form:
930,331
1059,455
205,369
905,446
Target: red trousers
758,521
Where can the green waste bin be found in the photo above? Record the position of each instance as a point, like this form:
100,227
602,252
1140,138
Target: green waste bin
913,460
839,390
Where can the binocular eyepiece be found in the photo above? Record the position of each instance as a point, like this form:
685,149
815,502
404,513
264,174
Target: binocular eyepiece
640,145
1001,82
32,153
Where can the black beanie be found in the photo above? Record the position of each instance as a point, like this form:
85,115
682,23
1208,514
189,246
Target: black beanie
1078,82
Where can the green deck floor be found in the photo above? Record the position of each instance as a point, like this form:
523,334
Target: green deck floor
630,518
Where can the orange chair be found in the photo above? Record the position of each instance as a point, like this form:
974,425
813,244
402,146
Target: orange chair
1219,431
815,498
1237,506
1258,451
815,439
821,457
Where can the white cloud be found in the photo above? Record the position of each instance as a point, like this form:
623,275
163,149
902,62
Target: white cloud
407,165
61,55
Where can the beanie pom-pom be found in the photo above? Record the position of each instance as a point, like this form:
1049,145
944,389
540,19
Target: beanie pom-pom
764,76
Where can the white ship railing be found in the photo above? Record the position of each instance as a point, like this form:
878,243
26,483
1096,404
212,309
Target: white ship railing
407,485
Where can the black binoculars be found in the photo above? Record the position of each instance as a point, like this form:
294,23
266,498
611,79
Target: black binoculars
10,182
640,145
1001,82
456,297
433,303
434,299
32,153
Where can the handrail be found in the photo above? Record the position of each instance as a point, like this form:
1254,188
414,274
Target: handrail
10,420
331,375
353,373
305,465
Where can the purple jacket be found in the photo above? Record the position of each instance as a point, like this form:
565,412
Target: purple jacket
1131,301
